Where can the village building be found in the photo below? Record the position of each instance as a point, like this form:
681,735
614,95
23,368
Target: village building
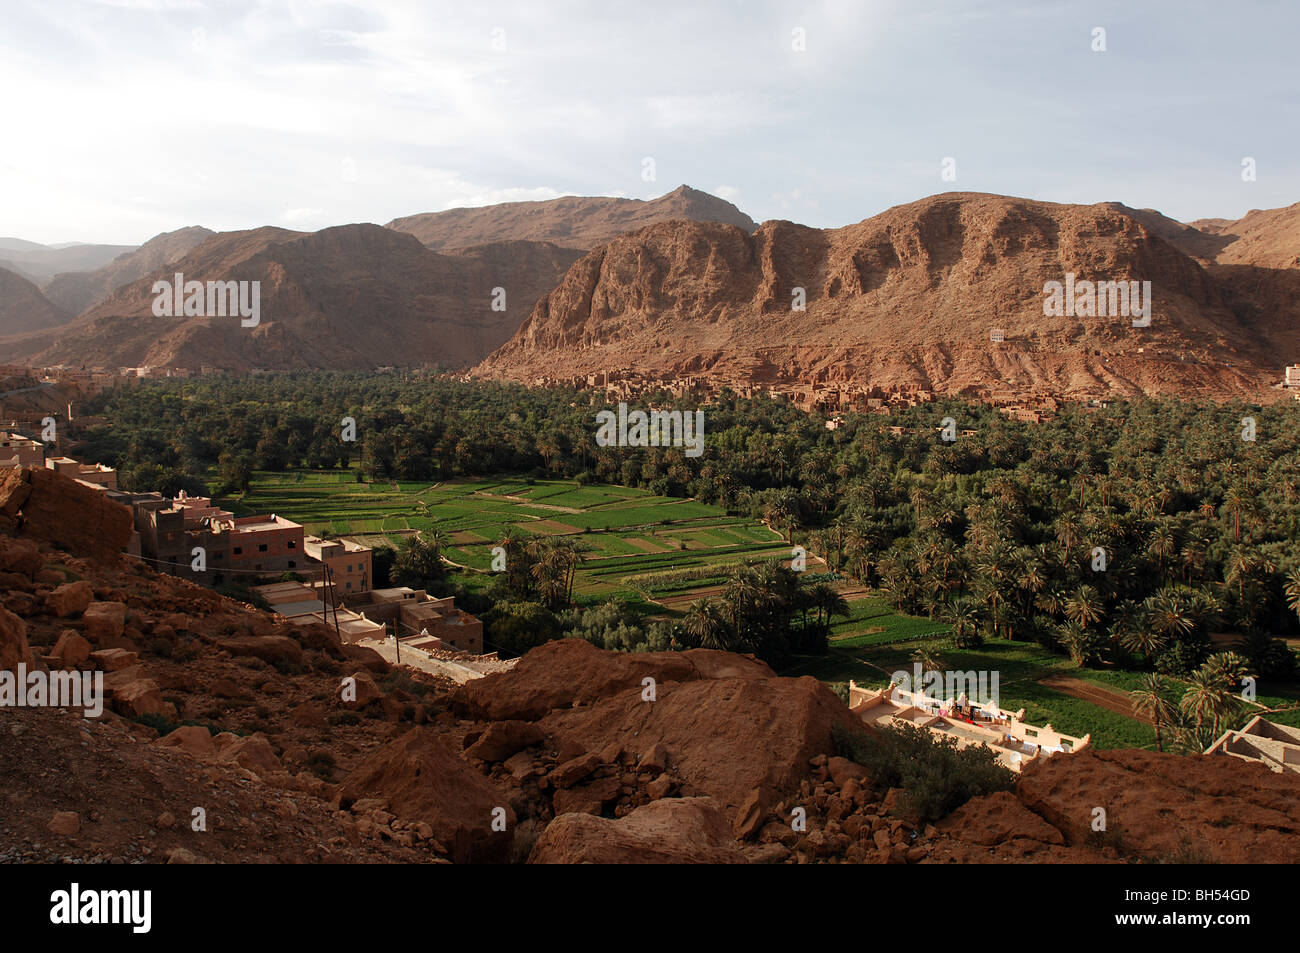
94,473
268,544
303,604
19,451
1013,741
348,562
1273,745
426,622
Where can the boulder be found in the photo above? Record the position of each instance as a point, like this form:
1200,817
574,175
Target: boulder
842,770
13,643
501,739
590,798
70,599
20,556
572,672
71,650
253,752
140,696
672,831
727,736
359,690
103,620
422,777
194,739
996,818
65,823
113,660
573,771
272,649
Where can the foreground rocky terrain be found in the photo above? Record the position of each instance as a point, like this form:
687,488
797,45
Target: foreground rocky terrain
577,754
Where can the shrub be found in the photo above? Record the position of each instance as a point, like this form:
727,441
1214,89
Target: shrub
936,776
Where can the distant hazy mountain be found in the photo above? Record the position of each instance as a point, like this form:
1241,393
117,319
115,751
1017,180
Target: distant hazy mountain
24,309
43,262
76,291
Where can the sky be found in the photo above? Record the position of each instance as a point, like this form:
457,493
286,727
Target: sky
126,118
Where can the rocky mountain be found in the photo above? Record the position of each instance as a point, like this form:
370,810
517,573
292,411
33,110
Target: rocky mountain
907,299
355,296
571,222
24,309
75,291
211,702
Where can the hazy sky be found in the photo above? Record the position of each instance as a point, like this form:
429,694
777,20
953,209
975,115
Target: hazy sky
125,118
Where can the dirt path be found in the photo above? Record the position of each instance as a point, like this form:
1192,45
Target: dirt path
1107,698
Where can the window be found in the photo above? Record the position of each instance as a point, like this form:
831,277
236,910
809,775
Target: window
261,547
291,544
293,564
239,550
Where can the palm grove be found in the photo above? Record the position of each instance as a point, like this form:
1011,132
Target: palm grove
1124,534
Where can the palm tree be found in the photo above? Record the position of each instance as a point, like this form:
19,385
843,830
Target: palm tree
704,623
1150,702
964,616
1293,591
1208,697
1085,606
828,602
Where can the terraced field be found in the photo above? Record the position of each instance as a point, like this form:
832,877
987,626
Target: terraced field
624,531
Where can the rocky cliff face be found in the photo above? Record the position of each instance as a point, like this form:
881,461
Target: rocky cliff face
907,298
568,750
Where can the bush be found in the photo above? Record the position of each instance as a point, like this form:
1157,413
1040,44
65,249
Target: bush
936,776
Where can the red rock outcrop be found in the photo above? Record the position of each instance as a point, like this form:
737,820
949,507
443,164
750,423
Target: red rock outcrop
676,831
40,505
573,672
422,778
904,299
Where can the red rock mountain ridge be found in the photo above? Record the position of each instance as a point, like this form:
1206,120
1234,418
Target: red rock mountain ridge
76,291
571,222
565,747
355,297
905,298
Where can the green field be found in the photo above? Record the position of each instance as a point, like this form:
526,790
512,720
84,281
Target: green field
623,531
